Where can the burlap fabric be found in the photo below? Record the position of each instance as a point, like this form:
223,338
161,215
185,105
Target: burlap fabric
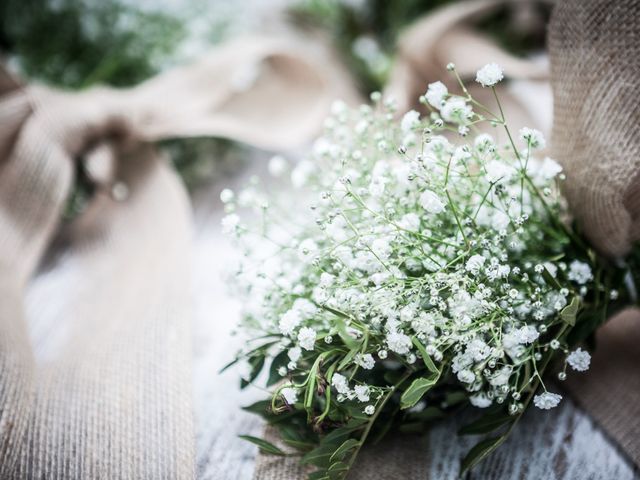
594,48
110,396
595,64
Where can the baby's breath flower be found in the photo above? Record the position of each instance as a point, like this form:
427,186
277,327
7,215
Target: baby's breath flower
489,75
533,137
580,272
362,392
547,400
419,255
340,383
579,360
431,202
226,195
307,338
410,121
436,94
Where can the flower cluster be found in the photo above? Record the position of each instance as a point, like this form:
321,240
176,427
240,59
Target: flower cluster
433,266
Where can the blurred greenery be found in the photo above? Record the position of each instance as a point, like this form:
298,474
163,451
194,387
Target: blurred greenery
75,43
366,31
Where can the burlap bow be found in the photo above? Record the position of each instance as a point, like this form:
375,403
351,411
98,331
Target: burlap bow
110,396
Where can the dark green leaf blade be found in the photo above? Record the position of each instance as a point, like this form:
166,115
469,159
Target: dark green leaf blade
487,423
416,391
480,452
263,445
343,449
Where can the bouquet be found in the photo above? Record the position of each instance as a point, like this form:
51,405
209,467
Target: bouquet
435,267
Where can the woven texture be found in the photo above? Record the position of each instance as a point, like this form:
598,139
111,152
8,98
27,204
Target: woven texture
109,396
595,63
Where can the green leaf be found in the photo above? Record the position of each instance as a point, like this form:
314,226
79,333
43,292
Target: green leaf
338,470
262,408
340,434
480,452
550,279
320,456
264,446
570,312
280,360
425,356
343,449
487,423
348,358
256,363
345,336
416,391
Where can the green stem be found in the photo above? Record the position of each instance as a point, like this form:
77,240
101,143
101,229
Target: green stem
379,409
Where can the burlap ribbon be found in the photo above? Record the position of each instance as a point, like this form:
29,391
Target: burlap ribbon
109,394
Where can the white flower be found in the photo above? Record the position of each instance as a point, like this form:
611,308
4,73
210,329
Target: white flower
480,400
547,400
289,321
466,376
500,377
533,137
290,395
456,110
579,360
489,75
410,221
399,342
549,168
230,223
369,410
474,264
340,383
226,195
362,392
366,361
294,354
326,279
431,202
307,338
498,170
436,93
410,121
277,165
580,272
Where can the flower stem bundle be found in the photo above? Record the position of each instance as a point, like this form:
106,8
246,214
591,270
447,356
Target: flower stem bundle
435,267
